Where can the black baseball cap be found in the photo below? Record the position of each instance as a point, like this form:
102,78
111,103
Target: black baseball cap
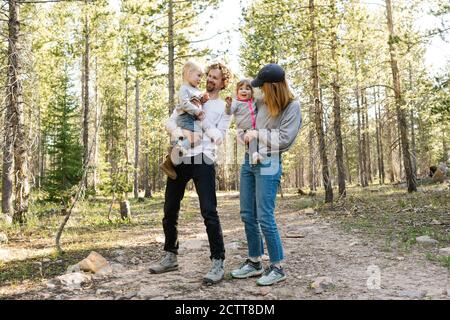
269,73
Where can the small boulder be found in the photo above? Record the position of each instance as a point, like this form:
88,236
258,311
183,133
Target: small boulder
95,263
308,211
444,251
294,234
73,280
322,284
5,255
3,238
413,294
426,241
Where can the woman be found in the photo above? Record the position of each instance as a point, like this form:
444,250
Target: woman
277,125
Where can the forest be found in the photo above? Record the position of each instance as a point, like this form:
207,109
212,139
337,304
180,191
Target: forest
89,84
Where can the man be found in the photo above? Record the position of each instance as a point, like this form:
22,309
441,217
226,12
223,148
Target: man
198,165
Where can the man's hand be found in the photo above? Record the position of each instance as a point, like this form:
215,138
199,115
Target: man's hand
250,135
201,115
196,102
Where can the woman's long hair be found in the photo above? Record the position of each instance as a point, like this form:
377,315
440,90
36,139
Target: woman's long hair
277,96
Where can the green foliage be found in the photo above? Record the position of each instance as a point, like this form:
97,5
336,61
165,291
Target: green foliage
61,141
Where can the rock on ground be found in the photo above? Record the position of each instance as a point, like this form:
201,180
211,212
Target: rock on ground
95,263
3,238
444,251
322,284
412,294
71,280
426,240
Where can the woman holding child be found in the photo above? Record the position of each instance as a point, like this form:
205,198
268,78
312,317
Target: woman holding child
275,128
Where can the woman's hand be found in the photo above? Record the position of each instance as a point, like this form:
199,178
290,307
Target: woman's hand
250,135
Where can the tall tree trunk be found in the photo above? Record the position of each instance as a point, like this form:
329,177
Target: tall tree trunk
337,110
127,156
96,132
363,144
171,47
444,140
367,141
318,106
390,140
86,94
15,112
148,187
380,137
412,122
40,171
399,103
302,172
311,145
136,144
377,134
347,160
400,172
9,137
358,133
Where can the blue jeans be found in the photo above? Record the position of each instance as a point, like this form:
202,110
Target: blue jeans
258,191
188,122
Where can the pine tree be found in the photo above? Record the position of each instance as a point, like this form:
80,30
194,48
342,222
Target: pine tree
62,143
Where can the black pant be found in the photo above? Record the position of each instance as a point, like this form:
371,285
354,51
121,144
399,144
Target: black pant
204,176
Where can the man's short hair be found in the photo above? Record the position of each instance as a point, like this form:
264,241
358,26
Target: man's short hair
226,73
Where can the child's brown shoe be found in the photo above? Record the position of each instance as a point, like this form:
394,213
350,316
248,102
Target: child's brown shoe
168,168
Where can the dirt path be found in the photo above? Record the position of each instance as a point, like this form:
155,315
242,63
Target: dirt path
322,250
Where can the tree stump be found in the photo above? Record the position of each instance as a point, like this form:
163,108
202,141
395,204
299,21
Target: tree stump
125,211
439,176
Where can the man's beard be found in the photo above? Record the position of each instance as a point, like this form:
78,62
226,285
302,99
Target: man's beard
210,86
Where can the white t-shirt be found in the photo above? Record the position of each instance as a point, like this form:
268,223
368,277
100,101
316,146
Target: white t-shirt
215,115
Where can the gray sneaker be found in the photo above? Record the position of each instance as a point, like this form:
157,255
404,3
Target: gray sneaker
216,273
168,263
248,269
271,276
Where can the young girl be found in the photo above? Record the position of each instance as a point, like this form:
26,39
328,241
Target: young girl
244,110
190,110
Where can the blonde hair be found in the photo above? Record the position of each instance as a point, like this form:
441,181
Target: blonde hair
243,82
226,73
189,67
277,96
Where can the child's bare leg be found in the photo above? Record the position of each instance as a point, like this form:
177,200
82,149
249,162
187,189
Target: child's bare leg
188,135
196,138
